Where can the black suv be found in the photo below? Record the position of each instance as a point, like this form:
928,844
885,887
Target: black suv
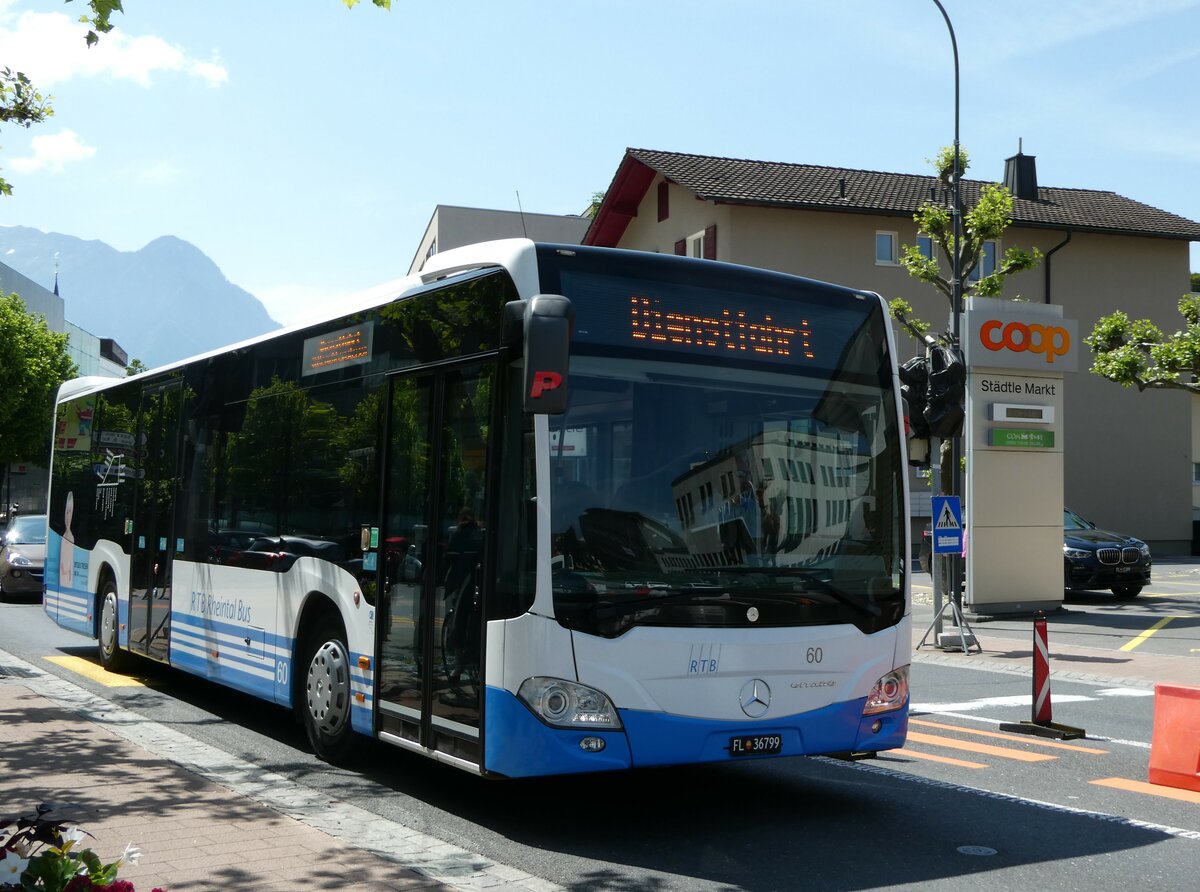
1098,559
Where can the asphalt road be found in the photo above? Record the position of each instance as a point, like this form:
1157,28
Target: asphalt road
960,803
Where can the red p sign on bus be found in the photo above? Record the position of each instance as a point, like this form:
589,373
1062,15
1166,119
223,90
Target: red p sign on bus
543,381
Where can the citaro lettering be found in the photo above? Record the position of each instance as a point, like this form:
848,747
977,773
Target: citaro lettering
1019,337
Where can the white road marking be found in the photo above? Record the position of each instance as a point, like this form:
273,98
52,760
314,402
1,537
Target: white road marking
986,702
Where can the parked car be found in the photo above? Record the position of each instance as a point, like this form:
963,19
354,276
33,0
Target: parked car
1101,559
23,555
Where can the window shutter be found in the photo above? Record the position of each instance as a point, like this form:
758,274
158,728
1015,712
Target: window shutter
681,247
710,242
664,210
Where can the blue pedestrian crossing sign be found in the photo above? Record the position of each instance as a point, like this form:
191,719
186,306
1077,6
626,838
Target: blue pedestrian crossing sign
947,525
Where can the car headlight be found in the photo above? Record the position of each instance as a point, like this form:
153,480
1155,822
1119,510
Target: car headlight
1076,554
889,693
18,560
565,704
1144,549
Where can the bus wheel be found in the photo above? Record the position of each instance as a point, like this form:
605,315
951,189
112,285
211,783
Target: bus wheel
112,657
326,707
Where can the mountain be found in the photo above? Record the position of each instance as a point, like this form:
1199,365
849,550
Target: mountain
165,302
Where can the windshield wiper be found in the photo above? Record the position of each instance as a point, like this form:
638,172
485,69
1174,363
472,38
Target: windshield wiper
842,597
652,602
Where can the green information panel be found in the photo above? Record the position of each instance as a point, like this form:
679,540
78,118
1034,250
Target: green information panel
1022,439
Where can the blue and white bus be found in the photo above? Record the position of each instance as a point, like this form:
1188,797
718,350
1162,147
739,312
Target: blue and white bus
537,509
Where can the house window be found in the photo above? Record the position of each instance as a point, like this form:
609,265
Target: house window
987,262
664,207
925,246
695,245
885,248
1196,473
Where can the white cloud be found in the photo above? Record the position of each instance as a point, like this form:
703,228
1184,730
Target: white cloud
50,48
53,153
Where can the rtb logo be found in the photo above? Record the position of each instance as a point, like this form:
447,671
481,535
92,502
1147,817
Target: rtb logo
1020,337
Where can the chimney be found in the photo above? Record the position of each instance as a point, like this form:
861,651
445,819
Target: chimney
1020,175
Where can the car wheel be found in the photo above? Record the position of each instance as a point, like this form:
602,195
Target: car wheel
1127,591
112,657
326,693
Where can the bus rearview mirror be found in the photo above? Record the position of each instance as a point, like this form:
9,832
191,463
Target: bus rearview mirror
547,323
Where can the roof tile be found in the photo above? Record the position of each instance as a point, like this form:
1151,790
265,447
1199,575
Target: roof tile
777,184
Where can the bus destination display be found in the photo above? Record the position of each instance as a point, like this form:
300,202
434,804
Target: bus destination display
726,330
344,347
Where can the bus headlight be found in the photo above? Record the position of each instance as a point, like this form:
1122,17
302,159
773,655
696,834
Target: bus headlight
890,692
565,704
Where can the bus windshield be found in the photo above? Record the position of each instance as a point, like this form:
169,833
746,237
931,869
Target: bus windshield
716,486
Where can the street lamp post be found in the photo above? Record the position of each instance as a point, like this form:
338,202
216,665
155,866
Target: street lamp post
952,478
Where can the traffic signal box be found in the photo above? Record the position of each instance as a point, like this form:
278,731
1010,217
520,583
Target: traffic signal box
1017,355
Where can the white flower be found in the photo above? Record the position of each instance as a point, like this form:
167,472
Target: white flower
73,835
11,868
131,855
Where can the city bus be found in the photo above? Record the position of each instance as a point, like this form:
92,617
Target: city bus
537,509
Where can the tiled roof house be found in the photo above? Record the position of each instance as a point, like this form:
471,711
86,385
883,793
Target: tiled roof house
1128,456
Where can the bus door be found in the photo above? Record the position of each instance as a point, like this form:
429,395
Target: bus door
430,555
154,542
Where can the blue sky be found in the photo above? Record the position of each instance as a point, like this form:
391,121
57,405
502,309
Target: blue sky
303,146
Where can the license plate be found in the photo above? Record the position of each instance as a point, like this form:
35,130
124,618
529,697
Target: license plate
1124,569
756,745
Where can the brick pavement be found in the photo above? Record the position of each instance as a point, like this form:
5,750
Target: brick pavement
204,819
194,834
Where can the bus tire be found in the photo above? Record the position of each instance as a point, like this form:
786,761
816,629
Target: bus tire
325,708
112,658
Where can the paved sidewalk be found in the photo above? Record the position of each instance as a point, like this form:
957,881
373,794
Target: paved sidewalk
1006,653
194,834
204,819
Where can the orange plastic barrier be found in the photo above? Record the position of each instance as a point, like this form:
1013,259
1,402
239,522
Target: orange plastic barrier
1175,746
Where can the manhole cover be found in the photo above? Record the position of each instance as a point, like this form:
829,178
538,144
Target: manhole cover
975,850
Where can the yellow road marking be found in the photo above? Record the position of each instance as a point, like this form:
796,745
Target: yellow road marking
1142,638
1132,786
1036,742
983,749
98,674
944,760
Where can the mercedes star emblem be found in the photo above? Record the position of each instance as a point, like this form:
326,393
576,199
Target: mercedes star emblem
752,614
755,698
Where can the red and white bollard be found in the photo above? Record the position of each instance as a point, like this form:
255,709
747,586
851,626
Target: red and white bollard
1042,723
1042,713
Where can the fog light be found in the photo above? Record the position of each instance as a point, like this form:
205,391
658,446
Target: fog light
591,744
876,725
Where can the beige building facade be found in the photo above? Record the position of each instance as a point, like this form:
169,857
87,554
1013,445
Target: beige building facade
1128,455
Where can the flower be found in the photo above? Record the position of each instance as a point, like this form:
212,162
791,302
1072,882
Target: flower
40,854
11,868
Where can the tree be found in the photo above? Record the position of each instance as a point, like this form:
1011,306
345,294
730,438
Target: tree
135,367
33,363
986,221
1136,353
20,104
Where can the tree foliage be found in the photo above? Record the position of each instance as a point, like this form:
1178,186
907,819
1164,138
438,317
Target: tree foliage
1136,352
20,104
984,222
33,363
